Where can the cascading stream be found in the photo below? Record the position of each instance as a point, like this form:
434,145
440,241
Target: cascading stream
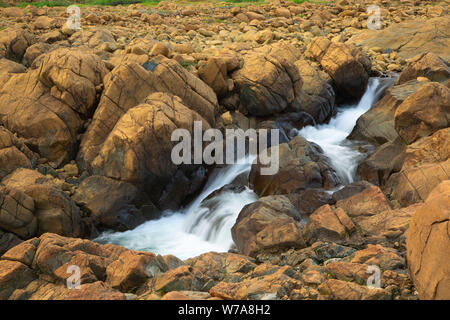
331,137
206,225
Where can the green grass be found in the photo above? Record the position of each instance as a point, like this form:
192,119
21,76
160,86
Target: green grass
66,3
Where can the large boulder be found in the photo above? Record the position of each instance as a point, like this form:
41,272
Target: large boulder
129,84
8,68
327,224
377,125
426,65
410,38
413,120
113,204
426,164
14,42
348,67
271,222
384,161
138,149
428,245
317,96
414,184
431,149
267,82
45,105
13,153
39,206
302,165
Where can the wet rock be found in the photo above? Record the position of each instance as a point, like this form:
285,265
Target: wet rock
110,203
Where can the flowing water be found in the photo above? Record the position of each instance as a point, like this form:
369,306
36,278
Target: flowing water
206,225
331,137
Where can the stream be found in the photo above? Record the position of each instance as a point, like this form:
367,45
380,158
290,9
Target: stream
201,228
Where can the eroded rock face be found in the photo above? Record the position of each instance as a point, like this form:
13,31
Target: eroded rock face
42,205
14,42
413,121
267,84
138,149
13,153
428,245
44,105
348,67
270,222
302,165
317,96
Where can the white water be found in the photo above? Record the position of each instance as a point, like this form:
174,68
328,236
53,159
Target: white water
331,137
195,229
198,228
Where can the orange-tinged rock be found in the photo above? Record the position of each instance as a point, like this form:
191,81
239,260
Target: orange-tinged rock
428,245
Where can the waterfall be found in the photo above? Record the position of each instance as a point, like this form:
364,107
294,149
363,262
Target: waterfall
332,137
201,227
205,225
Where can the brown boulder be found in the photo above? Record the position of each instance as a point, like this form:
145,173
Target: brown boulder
72,77
17,213
46,207
348,67
129,84
377,125
214,73
13,275
129,270
63,85
326,224
414,184
267,83
342,290
302,165
13,153
387,159
431,149
110,203
428,245
7,241
426,65
125,154
413,121
271,222
410,38
317,95
14,43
